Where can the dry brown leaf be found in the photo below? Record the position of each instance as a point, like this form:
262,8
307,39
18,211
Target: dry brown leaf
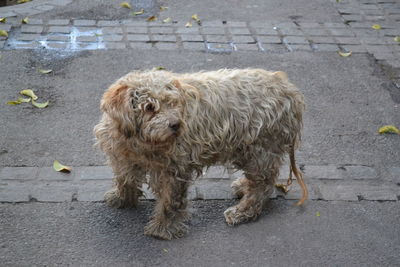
152,18
282,187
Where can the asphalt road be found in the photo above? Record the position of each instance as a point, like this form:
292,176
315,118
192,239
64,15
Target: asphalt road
83,234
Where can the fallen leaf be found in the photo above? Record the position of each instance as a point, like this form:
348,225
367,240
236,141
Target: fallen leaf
126,5
25,20
388,129
61,168
188,25
3,33
98,34
40,105
165,250
167,20
23,1
152,18
195,17
344,54
376,27
159,68
318,214
3,20
44,71
138,12
30,93
16,102
163,8
282,187
24,100
397,39
338,1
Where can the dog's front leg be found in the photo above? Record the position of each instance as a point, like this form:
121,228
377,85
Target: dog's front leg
170,213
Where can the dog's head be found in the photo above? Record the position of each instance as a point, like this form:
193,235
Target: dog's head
148,106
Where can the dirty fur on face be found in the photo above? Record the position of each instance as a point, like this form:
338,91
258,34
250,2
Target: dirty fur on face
164,128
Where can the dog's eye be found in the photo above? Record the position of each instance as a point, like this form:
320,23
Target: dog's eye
149,107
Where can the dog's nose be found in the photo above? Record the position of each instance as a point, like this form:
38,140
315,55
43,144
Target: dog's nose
174,126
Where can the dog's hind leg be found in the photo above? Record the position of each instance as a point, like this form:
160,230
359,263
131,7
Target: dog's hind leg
170,213
128,180
261,171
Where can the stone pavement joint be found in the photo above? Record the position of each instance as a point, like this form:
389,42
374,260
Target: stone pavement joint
89,183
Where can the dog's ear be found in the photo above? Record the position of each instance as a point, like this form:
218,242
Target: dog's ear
113,98
281,75
185,89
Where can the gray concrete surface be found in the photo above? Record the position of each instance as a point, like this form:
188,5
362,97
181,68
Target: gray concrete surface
84,234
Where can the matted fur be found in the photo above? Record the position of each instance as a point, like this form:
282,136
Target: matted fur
171,126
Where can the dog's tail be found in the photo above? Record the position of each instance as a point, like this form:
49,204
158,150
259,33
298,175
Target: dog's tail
299,176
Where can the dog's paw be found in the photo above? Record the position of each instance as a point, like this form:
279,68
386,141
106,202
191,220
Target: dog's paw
113,200
166,231
237,187
233,216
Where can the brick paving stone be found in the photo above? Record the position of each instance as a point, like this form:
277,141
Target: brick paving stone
243,39
374,18
273,48
168,30
43,7
58,37
113,38
352,17
261,24
166,46
266,31
60,29
87,29
197,46
334,25
5,27
219,48
18,173
53,192
163,38
316,32
2,44
86,39
218,172
300,47
31,29
247,47
192,30
30,45
354,48
7,14
135,23
59,22
341,32
394,174
84,22
236,23
138,37
241,31
213,30
296,40
347,40
269,39
339,191
112,30
310,25
49,174
3,38
57,45
208,189
94,173
383,55
295,192
115,45
28,37
191,38
326,47
214,23
14,192
394,63
107,23
373,41
391,32
361,25
140,45
216,39
322,40
136,29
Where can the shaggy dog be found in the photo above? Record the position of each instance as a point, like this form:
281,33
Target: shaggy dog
164,128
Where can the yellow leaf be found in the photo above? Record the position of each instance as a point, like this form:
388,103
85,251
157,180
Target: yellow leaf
40,105
163,8
282,187
152,18
43,71
126,5
188,25
389,129
159,68
344,54
24,100
318,214
23,1
3,20
397,39
3,33
167,20
30,93
165,250
61,168
195,17
98,34
138,12
16,102
25,20
376,27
